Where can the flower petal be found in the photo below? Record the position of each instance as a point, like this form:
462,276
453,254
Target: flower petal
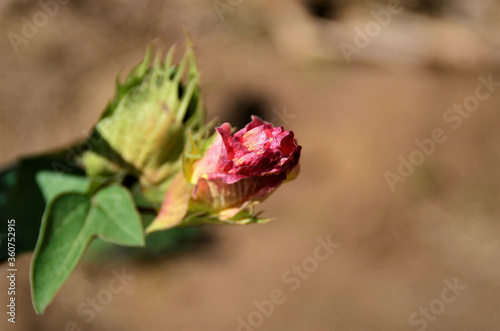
174,207
215,159
219,192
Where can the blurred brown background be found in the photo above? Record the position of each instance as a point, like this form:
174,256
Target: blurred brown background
354,116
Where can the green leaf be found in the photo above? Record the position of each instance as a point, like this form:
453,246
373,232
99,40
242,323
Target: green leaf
53,183
170,242
69,224
23,199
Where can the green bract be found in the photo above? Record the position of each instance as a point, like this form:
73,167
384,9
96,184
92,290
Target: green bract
143,130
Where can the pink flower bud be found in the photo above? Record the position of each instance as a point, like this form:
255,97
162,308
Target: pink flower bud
221,185
246,166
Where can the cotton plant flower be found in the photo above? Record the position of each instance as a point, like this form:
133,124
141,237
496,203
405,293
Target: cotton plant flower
232,174
151,155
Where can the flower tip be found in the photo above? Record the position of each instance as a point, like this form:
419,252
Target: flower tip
256,121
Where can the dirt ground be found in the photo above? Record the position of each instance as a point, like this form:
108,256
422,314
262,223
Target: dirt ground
398,246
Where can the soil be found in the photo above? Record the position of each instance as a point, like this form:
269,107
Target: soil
400,245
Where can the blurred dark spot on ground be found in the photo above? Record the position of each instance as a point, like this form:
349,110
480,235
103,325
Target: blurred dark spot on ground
21,7
433,8
329,9
243,106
